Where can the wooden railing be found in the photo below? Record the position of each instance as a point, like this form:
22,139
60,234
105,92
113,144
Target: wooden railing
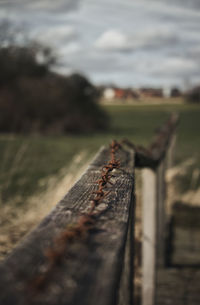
83,251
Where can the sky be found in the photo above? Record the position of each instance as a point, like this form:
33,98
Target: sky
123,42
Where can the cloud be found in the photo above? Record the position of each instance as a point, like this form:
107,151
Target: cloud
191,4
56,35
176,67
129,42
115,40
70,49
38,15
40,5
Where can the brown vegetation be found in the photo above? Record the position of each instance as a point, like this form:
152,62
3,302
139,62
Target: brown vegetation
193,95
33,99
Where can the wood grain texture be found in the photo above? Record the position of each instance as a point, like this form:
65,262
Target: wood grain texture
149,241
91,268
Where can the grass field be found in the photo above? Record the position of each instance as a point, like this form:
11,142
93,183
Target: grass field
27,160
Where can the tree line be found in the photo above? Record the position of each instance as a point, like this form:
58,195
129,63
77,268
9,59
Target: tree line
35,99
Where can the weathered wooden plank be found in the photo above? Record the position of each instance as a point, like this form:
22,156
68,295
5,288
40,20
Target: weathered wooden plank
126,289
91,268
154,220
171,150
149,204
178,286
161,213
162,141
184,239
152,155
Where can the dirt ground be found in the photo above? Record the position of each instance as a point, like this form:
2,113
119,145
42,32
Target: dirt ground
179,282
168,279
16,222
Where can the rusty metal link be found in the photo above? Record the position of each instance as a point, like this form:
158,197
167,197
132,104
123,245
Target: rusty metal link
85,223
106,176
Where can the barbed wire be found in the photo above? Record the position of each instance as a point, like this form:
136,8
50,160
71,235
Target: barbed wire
54,255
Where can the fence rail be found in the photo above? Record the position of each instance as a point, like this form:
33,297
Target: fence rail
83,255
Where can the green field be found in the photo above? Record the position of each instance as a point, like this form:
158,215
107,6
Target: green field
25,160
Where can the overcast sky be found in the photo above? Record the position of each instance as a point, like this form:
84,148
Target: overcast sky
124,42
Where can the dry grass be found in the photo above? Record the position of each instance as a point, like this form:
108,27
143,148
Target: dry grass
191,194
17,222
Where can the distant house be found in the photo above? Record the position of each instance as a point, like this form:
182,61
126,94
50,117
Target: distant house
120,93
116,93
150,92
132,94
125,94
109,93
175,92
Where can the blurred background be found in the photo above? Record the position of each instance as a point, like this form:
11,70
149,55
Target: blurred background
75,74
